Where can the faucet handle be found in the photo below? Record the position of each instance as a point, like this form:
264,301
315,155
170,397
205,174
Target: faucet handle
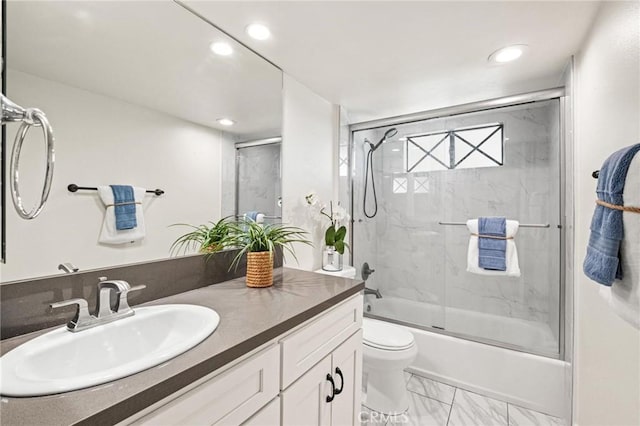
123,303
82,316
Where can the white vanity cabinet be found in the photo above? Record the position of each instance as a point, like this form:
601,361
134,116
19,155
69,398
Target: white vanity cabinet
314,400
285,382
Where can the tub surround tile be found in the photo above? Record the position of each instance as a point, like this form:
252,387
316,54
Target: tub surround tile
471,409
431,389
250,318
519,416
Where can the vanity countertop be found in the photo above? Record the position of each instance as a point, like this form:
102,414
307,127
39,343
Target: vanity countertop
249,318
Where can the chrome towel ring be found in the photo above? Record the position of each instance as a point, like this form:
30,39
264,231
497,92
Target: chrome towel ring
28,117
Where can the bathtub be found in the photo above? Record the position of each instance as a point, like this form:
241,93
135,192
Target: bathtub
536,382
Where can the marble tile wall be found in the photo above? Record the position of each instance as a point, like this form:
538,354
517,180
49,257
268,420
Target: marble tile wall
418,259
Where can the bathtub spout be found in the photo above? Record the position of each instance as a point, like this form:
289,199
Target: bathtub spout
372,291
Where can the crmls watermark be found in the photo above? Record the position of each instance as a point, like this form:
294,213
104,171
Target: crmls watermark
381,418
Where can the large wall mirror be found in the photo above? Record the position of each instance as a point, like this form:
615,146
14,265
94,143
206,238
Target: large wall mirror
136,96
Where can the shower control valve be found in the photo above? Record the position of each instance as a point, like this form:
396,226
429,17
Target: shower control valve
366,271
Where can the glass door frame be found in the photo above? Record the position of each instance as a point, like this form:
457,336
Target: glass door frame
247,144
557,93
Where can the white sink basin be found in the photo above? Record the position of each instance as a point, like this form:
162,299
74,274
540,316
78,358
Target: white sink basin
61,361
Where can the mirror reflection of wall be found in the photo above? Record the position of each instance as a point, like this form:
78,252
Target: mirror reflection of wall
258,183
130,103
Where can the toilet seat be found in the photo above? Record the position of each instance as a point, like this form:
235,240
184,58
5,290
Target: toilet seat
387,337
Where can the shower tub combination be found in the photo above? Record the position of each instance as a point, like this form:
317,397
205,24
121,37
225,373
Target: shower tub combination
500,336
536,382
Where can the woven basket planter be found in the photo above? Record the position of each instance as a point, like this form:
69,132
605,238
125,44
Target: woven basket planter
259,269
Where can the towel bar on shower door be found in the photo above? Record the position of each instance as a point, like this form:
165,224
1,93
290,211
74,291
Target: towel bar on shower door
522,225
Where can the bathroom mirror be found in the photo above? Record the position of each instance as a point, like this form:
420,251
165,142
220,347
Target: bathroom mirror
136,93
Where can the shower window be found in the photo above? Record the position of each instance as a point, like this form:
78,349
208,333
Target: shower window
344,160
399,185
480,146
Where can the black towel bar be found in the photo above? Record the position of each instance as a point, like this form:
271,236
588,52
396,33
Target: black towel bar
74,188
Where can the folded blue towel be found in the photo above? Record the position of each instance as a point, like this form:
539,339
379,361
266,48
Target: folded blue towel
602,263
252,215
492,251
124,206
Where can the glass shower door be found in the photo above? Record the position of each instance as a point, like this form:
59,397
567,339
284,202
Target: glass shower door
401,242
433,176
258,181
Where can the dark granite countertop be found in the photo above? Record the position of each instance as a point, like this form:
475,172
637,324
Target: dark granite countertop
249,318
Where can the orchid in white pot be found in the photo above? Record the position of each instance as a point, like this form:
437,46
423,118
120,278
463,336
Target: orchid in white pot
336,232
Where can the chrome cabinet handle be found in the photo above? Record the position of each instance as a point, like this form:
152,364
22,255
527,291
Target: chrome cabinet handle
333,388
339,373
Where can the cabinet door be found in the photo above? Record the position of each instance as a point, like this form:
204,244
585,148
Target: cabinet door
305,402
304,348
347,358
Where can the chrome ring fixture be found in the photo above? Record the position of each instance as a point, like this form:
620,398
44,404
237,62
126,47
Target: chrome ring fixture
28,117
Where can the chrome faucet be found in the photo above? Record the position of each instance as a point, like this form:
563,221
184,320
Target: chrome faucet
373,291
104,314
67,267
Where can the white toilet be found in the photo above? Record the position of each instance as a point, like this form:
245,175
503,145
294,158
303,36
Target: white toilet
388,350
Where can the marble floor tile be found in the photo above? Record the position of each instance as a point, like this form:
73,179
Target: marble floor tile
407,376
471,409
519,416
431,388
368,417
422,412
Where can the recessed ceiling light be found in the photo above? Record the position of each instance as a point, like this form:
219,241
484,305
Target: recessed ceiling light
402,139
258,31
395,149
507,54
226,121
221,48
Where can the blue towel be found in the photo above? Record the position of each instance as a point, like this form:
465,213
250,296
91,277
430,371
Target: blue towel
602,263
492,251
124,206
252,215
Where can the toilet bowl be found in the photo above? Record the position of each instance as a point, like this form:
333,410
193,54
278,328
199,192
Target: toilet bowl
387,351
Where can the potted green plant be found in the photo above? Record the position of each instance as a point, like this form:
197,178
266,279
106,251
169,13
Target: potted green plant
209,238
259,243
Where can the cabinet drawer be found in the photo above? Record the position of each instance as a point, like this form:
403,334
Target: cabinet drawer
307,346
268,416
229,399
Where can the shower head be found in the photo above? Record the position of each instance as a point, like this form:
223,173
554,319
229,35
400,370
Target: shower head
388,134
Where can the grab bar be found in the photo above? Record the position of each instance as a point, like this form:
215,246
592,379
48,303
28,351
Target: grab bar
11,112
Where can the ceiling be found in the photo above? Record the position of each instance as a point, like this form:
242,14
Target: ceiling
385,58
150,53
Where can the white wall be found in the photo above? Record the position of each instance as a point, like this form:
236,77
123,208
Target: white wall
100,141
607,349
309,149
